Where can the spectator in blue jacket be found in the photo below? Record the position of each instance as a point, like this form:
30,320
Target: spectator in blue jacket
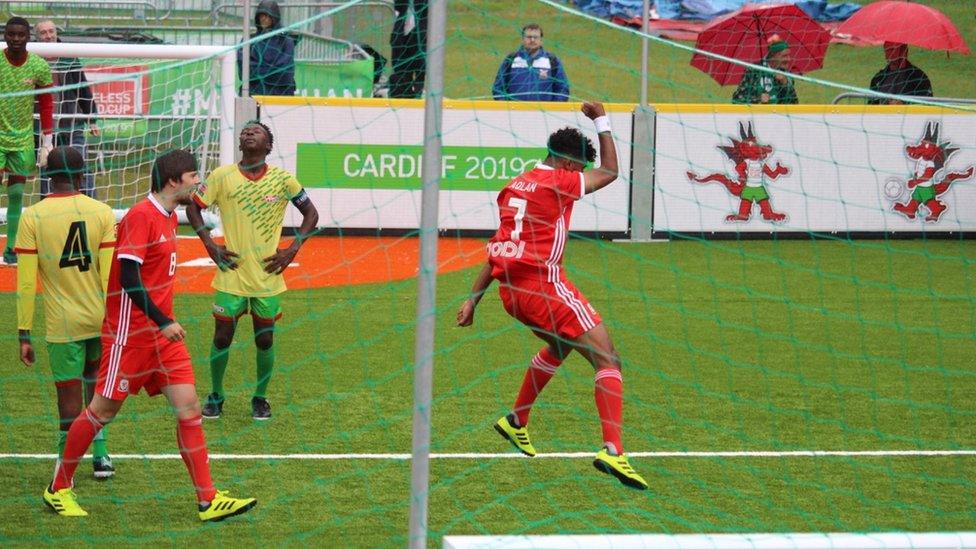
531,73
272,59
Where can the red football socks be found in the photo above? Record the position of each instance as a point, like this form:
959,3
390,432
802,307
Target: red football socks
608,393
541,370
80,435
193,448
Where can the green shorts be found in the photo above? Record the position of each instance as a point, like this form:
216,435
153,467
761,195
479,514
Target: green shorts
18,162
68,359
924,194
231,307
756,194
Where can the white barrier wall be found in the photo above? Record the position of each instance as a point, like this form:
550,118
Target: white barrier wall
849,167
360,159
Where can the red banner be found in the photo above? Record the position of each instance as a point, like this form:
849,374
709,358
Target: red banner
129,96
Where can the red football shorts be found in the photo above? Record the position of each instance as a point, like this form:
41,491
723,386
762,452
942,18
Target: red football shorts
553,307
124,370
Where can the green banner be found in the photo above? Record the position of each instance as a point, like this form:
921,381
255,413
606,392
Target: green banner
186,91
345,79
183,92
341,166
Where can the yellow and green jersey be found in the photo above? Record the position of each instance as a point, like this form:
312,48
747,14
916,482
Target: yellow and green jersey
252,212
69,238
17,113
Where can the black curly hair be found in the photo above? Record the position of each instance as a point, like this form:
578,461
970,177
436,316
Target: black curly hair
571,144
266,129
64,165
17,21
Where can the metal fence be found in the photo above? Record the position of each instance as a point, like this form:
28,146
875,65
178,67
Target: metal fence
864,96
299,9
360,20
368,22
216,22
66,12
310,47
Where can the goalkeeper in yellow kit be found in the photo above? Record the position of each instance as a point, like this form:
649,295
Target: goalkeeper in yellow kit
69,238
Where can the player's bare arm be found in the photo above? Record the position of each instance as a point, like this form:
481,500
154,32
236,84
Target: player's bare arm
173,331
225,259
597,178
277,263
465,315
26,348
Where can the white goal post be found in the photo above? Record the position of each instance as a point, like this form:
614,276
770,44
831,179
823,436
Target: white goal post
226,57
220,103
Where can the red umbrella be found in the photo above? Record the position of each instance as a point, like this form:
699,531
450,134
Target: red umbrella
905,23
742,35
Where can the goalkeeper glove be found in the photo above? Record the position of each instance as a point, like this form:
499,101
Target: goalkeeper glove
47,144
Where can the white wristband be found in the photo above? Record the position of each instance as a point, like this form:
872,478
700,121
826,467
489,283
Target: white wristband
602,124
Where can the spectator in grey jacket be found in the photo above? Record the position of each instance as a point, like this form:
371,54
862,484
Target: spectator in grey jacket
74,110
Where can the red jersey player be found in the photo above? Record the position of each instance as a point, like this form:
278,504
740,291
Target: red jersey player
142,343
525,256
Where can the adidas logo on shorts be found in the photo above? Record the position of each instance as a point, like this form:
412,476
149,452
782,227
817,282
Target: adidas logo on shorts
506,249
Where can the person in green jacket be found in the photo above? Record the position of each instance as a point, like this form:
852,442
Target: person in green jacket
759,86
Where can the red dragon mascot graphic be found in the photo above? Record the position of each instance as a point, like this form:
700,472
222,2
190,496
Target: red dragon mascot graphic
930,157
749,156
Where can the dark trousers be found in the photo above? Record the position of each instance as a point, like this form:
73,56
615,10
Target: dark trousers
409,50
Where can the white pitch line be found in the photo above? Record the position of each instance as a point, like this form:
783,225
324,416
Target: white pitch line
513,455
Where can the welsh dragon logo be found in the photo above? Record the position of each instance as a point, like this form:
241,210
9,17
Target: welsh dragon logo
930,180
751,174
